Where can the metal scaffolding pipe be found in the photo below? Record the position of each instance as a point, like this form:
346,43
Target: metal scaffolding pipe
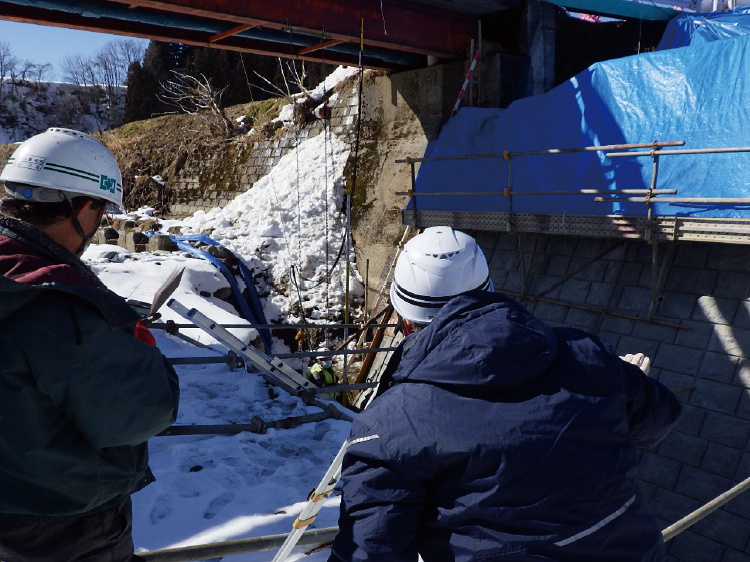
673,530
162,326
331,353
508,193
701,200
207,360
340,388
462,193
681,151
197,360
256,425
229,548
508,154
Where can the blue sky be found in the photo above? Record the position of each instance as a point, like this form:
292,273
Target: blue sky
44,44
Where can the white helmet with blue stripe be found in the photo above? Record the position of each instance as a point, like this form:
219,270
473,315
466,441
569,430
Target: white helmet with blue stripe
63,163
435,266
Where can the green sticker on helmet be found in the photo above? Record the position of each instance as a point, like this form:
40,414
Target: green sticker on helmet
107,184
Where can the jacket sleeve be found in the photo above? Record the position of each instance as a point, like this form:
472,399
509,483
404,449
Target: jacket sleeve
381,503
653,410
116,389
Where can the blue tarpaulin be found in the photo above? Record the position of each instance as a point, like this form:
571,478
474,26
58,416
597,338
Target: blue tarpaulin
252,311
697,29
699,94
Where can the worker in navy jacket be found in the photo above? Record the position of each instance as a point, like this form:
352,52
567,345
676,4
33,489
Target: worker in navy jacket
501,438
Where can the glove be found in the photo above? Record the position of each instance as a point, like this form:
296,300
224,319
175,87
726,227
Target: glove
639,360
144,334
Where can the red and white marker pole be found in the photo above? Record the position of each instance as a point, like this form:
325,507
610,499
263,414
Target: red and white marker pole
466,82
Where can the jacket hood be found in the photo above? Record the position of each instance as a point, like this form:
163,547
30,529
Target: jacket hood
479,342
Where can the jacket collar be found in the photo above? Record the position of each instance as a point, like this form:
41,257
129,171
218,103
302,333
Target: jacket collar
479,343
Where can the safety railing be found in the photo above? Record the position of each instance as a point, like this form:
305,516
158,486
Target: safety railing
665,228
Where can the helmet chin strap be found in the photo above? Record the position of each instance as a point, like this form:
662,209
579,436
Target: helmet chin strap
408,327
85,239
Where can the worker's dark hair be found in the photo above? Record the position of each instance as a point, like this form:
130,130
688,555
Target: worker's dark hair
42,215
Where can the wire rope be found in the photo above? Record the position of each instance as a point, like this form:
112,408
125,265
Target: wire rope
326,139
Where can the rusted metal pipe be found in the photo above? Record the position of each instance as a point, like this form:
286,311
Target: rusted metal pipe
507,193
508,155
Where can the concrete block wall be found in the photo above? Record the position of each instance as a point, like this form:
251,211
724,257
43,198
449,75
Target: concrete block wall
214,176
700,349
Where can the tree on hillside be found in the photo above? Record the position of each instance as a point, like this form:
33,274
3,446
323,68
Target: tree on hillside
233,73
143,79
8,63
224,69
113,62
141,101
101,77
162,58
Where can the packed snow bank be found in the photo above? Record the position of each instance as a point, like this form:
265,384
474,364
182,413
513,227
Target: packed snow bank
290,229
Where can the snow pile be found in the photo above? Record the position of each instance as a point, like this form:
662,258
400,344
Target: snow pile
212,488
290,229
322,92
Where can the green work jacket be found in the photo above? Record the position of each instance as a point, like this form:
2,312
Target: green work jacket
79,394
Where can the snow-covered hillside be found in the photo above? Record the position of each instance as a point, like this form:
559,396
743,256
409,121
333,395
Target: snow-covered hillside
29,107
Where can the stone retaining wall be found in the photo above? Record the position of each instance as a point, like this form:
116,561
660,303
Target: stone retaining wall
212,177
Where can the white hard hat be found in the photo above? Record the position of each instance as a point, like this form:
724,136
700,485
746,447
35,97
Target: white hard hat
66,162
434,267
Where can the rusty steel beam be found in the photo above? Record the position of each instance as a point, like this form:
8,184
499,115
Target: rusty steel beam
228,32
26,14
390,24
318,47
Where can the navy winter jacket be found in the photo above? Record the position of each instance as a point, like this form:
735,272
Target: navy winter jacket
503,439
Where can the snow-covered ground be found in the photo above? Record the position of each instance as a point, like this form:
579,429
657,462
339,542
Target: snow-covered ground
214,488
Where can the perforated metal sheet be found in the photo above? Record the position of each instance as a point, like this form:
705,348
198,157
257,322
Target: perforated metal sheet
731,231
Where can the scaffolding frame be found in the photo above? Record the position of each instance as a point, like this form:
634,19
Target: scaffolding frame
654,229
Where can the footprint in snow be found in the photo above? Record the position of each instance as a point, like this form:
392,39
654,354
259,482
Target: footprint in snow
162,508
217,504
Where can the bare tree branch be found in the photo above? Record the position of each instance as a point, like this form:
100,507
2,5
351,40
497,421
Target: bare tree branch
296,79
196,97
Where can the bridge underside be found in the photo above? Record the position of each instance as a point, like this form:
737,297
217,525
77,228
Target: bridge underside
388,35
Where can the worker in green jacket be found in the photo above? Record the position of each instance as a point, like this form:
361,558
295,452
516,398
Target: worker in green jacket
320,373
82,386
